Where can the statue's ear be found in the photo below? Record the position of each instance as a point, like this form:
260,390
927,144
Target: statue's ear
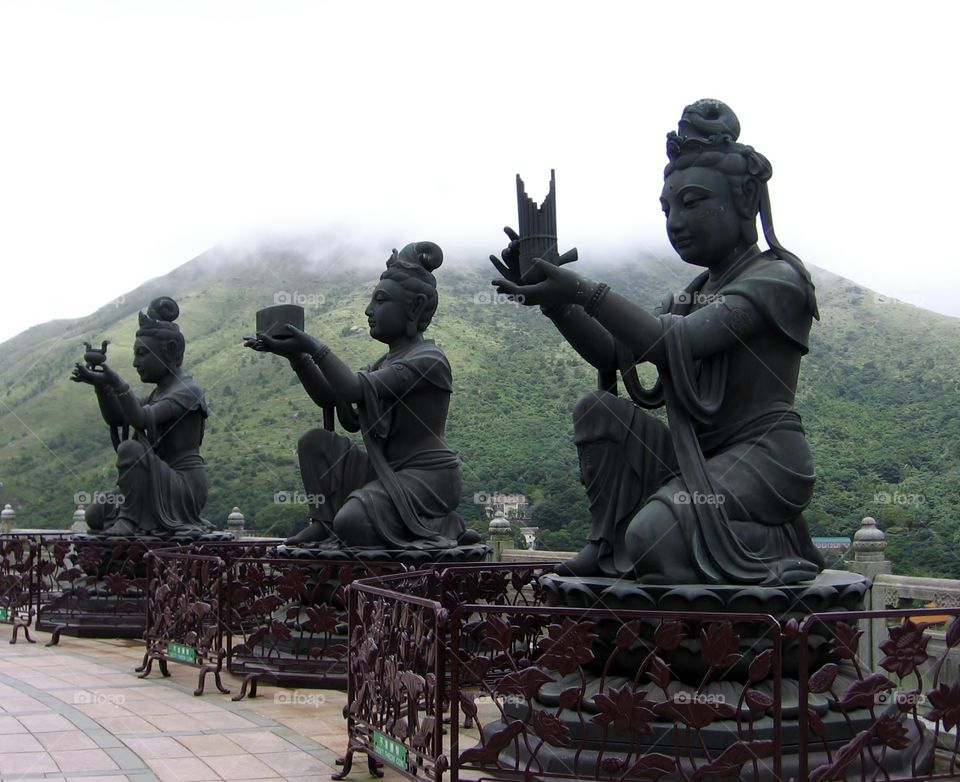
748,204
170,351
417,306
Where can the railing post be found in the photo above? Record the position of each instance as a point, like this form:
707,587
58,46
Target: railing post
79,521
8,518
869,543
235,522
500,536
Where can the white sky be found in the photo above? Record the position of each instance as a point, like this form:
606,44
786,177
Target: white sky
134,135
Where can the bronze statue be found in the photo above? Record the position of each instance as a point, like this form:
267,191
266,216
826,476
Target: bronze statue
716,497
402,489
161,477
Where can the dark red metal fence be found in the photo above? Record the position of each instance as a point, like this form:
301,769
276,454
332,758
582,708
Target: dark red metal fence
184,614
18,564
546,689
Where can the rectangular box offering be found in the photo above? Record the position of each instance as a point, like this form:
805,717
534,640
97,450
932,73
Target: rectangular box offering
272,321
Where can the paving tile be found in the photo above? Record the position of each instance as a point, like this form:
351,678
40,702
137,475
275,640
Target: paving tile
163,692
19,742
83,760
46,661
103,738
127,725
300,742
239,767
84,681
182,770
83,722
302,725
336,725
337,742
296,763
46,723
358,771
157,747
208,739
213,744
43,681
126,759
100,710
259,742
168,723
114,678
222,720
97,779
22,704
26,763
66,739
144,707
191,704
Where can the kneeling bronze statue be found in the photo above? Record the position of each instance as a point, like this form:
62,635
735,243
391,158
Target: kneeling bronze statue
161,478
717,496
401,490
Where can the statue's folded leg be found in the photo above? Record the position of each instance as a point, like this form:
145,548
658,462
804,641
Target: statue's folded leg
135,513
150,497
103,512
331,467
762,486
625,456
655,542
369,518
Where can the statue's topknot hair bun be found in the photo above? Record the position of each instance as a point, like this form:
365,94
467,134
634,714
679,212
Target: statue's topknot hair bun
163,308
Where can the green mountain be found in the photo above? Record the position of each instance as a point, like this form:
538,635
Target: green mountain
877,395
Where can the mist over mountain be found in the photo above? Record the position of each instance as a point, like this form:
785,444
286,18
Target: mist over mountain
877,394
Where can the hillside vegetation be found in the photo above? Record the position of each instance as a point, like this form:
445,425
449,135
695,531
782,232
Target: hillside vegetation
877,395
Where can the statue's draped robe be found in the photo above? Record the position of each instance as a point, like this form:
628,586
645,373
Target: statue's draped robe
162,484
733,467
408,502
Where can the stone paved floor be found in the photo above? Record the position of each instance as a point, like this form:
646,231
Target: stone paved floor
79,712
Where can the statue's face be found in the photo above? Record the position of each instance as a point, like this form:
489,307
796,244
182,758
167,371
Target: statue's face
148,359
702,221
387,312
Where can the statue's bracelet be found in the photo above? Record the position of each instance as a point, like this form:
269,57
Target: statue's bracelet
596,298
122,390
320,354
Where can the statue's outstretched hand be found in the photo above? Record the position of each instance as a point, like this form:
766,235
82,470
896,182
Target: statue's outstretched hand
509,267
255,343
285,346
302,341
560,286
98,378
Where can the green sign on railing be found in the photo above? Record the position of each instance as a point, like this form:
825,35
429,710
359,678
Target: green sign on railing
390,750
182,653
4,614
